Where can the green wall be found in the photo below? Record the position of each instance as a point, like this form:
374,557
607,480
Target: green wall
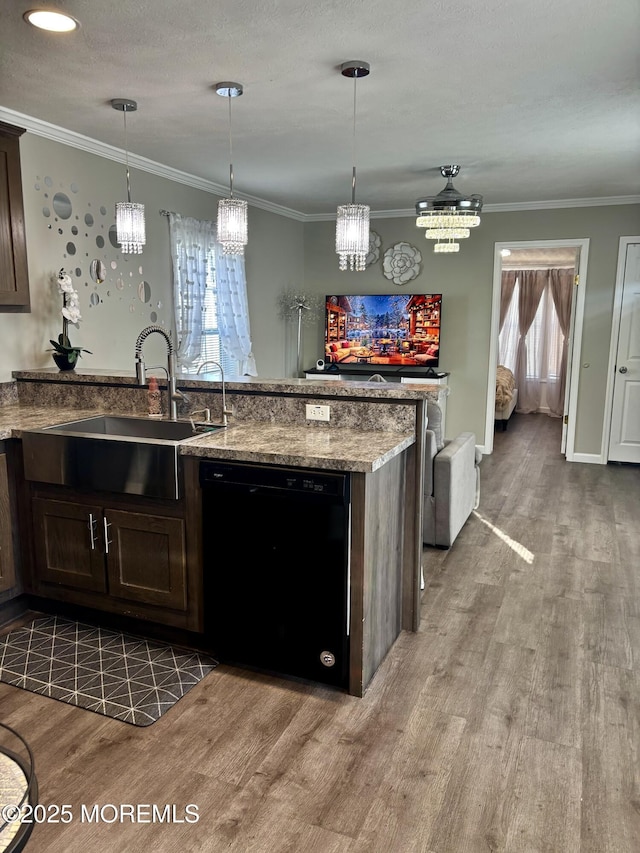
466,282
109,328
285,255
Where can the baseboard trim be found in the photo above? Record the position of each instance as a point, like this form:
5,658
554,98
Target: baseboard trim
588,458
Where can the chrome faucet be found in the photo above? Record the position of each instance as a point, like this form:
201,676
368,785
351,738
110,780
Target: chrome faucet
141,370
225,412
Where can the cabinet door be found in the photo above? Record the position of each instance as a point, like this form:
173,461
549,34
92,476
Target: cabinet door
7,565
67,544
146,558
14,282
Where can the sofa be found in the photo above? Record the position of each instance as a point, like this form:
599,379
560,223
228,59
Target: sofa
337,351
342,350
451,481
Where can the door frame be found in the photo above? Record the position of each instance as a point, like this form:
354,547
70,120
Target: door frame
575,343
623,245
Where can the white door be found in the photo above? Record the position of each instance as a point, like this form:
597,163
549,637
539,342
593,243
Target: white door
624,437
567,389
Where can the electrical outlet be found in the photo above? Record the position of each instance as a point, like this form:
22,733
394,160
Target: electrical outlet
318,413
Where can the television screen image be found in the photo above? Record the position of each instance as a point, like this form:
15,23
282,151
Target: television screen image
392,330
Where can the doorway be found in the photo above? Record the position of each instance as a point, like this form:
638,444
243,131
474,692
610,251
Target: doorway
535,250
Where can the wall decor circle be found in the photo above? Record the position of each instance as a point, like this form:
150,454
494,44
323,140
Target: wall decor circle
401,263
62,205
373,255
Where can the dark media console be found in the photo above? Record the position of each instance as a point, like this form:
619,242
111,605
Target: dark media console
364,372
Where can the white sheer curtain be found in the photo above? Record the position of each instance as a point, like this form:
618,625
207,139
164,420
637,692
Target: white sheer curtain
233,310
194,253
192,244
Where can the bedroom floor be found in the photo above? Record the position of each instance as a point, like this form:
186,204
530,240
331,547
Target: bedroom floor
509,722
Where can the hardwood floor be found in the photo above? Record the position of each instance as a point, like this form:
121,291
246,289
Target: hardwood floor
509,722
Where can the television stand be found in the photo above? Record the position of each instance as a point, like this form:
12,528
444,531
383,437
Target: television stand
363,372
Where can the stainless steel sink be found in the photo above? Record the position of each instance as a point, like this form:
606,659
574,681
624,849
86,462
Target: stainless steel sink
128,455
126,428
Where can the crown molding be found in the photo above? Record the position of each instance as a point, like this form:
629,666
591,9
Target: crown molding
495,208
110,152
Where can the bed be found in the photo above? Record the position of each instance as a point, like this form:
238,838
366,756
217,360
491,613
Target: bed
506,395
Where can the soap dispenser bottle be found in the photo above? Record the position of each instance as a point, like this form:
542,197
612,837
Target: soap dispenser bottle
154,398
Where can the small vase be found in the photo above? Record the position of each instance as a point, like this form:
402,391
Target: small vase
63,362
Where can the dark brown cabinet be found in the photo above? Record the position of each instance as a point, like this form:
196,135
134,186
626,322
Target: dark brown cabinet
7,559
112,556
14,280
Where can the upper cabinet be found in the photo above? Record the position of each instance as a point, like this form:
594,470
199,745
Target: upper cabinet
14,281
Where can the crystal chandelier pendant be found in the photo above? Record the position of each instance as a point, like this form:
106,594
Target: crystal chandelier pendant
231,227
448,215
352,236
130,227
446,248
447,233
352,220
232,231
130,224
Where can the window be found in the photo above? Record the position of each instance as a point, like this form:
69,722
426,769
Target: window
544,339
210,300
211,346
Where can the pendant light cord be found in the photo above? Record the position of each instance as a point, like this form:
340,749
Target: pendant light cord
126,155
230,151
353,176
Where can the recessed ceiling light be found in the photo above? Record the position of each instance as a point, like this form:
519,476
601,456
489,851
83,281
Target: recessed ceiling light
55,22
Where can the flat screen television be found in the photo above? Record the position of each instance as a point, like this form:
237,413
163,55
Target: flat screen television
391,333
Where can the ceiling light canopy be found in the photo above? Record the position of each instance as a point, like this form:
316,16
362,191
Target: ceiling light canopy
231,227
130,224
352,220
54,22
448,215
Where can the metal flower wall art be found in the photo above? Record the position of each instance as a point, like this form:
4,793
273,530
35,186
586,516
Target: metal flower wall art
64,355
401,263
373,255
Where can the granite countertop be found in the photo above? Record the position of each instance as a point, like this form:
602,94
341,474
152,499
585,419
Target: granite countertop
16,418
336,449
247,441
245,384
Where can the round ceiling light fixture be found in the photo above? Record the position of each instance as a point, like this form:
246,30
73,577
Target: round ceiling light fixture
53,22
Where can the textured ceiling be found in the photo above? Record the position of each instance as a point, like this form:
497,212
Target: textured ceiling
535,101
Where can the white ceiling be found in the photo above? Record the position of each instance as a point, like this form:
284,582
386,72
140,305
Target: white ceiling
537,102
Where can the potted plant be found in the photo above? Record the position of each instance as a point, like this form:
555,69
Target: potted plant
64,355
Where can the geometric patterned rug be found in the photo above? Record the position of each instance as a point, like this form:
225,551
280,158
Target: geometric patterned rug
115,674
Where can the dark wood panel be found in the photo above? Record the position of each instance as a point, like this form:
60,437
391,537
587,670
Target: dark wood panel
7,561
14,281
65,552
146,558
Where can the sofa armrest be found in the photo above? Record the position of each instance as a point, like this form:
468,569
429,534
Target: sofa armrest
455,484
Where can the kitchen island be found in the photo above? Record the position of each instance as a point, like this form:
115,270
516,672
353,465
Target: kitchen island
374,436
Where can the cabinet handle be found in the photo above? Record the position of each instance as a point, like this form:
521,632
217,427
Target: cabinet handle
92,530
107,541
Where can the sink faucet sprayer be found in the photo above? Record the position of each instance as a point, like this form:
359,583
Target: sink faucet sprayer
225,412
174,394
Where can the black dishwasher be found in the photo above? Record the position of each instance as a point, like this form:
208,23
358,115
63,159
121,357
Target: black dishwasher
276,568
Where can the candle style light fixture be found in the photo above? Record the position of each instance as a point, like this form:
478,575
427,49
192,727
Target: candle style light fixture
449,215
130,225
231,226
352,220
